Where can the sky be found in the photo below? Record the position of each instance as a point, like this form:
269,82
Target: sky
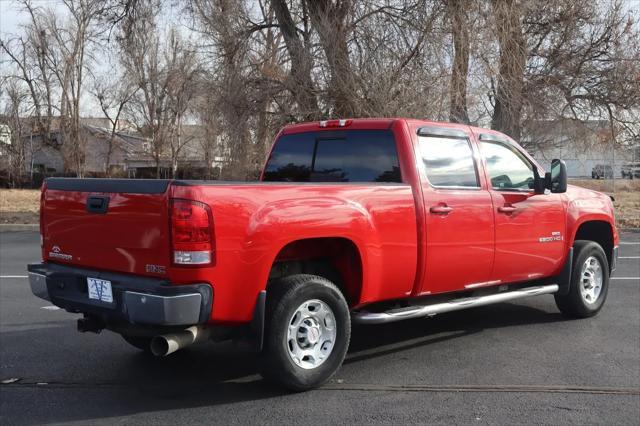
13,17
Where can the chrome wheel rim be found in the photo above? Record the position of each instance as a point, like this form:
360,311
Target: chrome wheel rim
311,334
591,280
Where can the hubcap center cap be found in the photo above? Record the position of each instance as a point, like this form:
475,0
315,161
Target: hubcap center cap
313,335
308,333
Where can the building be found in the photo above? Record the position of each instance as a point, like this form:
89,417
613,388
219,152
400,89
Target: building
48,157
129,154
582,145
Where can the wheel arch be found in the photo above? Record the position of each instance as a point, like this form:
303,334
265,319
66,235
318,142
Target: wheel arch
338,259
598,231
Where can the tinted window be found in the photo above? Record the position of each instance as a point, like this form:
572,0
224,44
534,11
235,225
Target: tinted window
291,158
507,168
343,156
448,162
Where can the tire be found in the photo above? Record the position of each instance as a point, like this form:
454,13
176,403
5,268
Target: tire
303,300
142,343
585,297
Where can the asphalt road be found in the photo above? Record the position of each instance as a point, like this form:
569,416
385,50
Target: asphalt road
511,363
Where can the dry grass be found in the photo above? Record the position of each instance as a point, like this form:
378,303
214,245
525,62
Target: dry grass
626,194
21,205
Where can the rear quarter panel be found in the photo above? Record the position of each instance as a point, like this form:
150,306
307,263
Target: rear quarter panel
254,221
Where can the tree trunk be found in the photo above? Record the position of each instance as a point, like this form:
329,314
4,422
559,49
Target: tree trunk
513,57
329,18
460,67
301,87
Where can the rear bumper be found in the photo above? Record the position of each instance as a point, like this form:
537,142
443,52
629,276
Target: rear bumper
136,300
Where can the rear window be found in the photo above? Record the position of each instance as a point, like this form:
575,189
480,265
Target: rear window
341,156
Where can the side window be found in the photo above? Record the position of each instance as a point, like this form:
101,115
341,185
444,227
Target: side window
507,168
448,162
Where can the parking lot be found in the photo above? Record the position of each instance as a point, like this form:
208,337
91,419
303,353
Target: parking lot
510,363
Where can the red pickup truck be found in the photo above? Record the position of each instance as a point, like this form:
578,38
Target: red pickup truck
365,220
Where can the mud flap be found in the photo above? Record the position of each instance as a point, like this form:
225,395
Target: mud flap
564,278
257,323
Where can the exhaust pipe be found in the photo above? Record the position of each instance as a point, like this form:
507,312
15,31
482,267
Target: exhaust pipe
166,344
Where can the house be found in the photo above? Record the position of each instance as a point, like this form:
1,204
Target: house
128,154
48,157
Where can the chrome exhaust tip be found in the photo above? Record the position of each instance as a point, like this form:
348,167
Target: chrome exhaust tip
166,344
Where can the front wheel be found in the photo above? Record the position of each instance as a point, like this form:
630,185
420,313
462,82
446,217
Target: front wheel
589,282
308,328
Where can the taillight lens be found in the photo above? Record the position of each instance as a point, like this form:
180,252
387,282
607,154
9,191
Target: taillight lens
191,233
42,191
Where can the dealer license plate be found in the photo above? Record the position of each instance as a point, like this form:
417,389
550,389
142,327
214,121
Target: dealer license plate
100,290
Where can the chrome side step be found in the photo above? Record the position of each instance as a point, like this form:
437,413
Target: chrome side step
364,317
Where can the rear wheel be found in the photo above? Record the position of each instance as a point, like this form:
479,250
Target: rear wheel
589,282
307,334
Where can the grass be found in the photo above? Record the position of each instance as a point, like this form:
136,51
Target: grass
21,205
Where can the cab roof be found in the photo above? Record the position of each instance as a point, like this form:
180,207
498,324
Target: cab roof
374,124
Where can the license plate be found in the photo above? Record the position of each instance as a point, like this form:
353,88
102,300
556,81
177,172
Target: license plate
100,290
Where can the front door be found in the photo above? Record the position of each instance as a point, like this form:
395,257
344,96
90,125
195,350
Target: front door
459,216
530,228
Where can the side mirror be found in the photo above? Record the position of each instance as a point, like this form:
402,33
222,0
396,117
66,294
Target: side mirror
557,179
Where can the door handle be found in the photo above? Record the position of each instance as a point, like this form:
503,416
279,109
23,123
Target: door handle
441,209
97,204
507,209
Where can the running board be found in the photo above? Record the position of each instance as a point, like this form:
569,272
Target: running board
399,314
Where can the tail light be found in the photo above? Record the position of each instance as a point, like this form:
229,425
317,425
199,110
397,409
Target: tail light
191,233
42,191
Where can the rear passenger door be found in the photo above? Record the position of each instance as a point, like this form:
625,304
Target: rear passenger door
529,227
459,216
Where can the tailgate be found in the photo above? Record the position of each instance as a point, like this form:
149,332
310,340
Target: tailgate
108,224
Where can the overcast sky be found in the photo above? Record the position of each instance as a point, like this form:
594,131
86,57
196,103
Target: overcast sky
12,18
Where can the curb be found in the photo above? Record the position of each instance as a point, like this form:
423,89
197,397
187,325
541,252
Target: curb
19,227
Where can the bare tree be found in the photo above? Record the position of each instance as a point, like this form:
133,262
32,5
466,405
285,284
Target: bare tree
300,83
513,57
166,75
112,95
62,48
248,66
14,150
29,56
457,11
329,18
